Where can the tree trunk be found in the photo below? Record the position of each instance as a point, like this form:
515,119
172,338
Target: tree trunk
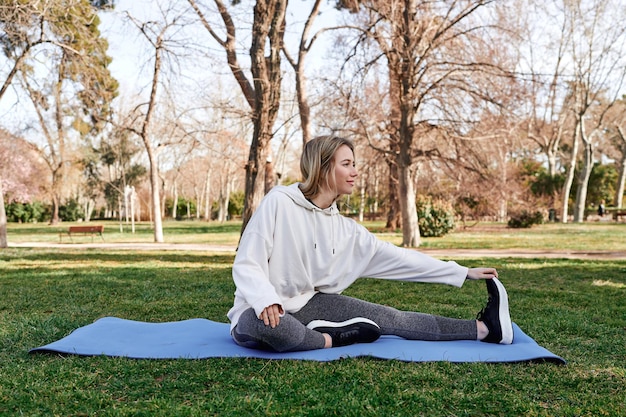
410,229
264,98
621,180
207,191
156,198
4,243
175,204
394,214
55,189
301,93
269,24
362,199
583,182
224,199
145,137
255,170
569,179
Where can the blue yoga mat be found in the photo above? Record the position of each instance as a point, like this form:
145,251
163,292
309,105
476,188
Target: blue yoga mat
201,338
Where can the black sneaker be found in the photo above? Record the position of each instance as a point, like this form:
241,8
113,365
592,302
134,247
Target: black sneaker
495,315
356,330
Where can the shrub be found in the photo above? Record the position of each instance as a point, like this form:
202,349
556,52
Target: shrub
26,212
525,219
236,203
71,211
435,218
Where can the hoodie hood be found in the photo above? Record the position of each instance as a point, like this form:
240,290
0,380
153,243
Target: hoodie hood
293,191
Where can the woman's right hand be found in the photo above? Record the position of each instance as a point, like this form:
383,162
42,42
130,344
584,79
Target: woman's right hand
271,315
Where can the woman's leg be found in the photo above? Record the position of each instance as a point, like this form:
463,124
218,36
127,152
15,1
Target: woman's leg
289,336
410,325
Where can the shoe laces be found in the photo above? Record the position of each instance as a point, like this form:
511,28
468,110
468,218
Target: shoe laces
486,308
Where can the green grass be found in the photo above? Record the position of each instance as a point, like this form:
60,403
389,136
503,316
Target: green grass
174,232
604,236
574,308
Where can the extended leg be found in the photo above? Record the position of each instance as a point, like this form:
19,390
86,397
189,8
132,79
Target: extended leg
410,325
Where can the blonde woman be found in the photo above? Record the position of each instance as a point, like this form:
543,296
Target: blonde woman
298,253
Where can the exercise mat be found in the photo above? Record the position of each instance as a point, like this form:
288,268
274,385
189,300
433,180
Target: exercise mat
200,339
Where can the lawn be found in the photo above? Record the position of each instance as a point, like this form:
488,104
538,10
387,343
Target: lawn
574,308
597,236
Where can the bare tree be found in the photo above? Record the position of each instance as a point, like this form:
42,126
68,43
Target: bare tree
598,55
298,66
616,132
160,35
621,182
438,59
546,38
263,94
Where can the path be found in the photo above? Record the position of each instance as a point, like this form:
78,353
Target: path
437,253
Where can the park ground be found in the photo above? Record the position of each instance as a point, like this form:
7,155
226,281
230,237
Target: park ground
566,285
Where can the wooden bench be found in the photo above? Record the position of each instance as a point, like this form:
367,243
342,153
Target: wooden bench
618,213
84,230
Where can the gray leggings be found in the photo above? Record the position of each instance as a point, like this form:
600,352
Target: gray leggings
291,334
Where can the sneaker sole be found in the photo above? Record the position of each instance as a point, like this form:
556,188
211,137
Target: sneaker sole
323,323
503,311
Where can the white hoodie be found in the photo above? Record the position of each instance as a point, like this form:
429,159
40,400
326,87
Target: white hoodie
291,250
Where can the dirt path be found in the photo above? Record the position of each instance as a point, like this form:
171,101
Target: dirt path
437,253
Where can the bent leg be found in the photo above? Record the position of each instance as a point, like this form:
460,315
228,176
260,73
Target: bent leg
289,336
406,324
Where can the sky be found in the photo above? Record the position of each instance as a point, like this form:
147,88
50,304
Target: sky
129,50
132,64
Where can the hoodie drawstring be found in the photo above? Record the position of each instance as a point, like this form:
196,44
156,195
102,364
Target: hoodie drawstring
332,229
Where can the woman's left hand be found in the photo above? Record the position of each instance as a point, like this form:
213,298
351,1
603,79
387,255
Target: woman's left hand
482,273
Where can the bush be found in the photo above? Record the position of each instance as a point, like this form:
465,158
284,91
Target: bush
524,220
181,208
26,212
71,211
435,218
236,203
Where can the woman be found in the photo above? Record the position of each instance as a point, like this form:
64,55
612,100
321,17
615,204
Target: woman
297,254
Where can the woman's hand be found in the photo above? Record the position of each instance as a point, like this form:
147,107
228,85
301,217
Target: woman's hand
271,315
482,273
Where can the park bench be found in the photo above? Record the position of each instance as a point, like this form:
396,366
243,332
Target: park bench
85,230
614,212
617,213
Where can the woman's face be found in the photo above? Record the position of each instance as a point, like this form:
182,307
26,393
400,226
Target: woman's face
345,171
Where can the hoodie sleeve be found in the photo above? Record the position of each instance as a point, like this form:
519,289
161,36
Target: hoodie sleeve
396,263
251,266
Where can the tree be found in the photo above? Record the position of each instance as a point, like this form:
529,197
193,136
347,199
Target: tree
263,94
598,54
620,137
546,39
160,36
439,62
616,132
21,175
304,109
68,31
111,169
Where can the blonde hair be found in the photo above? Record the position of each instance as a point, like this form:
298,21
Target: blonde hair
317,163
